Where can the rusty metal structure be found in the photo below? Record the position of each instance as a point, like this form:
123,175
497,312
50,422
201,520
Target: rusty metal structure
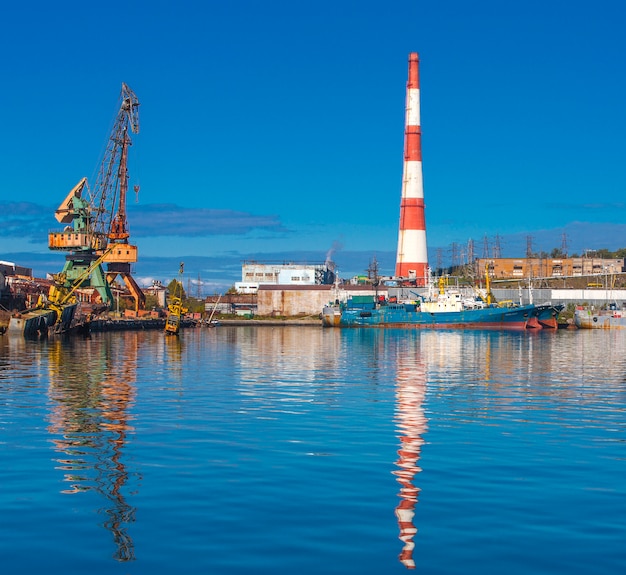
96,221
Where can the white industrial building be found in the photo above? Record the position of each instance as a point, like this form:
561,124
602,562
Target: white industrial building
255,274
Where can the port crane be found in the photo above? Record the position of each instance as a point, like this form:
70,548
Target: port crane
96,222
61,294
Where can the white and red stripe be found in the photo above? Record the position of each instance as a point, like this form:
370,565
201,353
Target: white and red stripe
412,258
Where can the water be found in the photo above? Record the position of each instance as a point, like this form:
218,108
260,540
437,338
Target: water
304,450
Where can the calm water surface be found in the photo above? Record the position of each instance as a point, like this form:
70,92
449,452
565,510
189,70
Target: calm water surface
303,450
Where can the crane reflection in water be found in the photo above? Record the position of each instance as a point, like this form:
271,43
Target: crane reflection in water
411,426
90,422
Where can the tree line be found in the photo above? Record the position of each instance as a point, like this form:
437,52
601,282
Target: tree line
602,253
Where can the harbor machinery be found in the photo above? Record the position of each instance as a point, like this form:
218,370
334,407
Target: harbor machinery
95,220
56,312
175,308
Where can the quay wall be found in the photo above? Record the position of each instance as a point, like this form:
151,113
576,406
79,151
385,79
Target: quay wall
125,324
283,300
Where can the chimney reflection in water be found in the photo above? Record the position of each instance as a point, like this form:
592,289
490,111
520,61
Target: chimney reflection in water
411,425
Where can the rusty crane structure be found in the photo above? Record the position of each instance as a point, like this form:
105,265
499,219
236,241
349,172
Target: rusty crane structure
96,223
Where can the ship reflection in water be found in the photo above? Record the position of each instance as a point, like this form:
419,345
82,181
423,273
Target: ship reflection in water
411,425
89,422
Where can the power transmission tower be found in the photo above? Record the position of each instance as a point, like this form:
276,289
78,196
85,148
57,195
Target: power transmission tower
497,251
470,251
455,254
564,244
485,247
439,260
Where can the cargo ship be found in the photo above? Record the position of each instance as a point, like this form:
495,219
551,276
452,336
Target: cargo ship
450,309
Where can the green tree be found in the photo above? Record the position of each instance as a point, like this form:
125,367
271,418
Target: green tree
195,305
151,301
557,253
175,288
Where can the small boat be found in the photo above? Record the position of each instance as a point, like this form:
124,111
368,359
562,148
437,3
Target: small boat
589,318
331,315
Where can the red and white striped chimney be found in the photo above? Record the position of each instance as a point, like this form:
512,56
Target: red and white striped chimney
412,258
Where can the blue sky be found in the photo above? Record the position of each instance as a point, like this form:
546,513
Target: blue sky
274,130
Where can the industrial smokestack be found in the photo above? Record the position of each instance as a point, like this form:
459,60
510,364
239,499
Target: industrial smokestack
412,258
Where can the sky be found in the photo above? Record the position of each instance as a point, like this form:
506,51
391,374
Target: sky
273,131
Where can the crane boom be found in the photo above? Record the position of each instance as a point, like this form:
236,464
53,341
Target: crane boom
109,193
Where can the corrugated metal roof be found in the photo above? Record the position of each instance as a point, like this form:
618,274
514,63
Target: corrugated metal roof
324,287
290,287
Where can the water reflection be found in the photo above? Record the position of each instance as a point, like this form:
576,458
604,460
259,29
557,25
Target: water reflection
284,370
411,426
218,388
92,388
571,380
440,360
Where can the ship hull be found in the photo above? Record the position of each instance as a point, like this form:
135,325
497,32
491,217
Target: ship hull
331,316
547,315
43,322
35,323
409,316
587,319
